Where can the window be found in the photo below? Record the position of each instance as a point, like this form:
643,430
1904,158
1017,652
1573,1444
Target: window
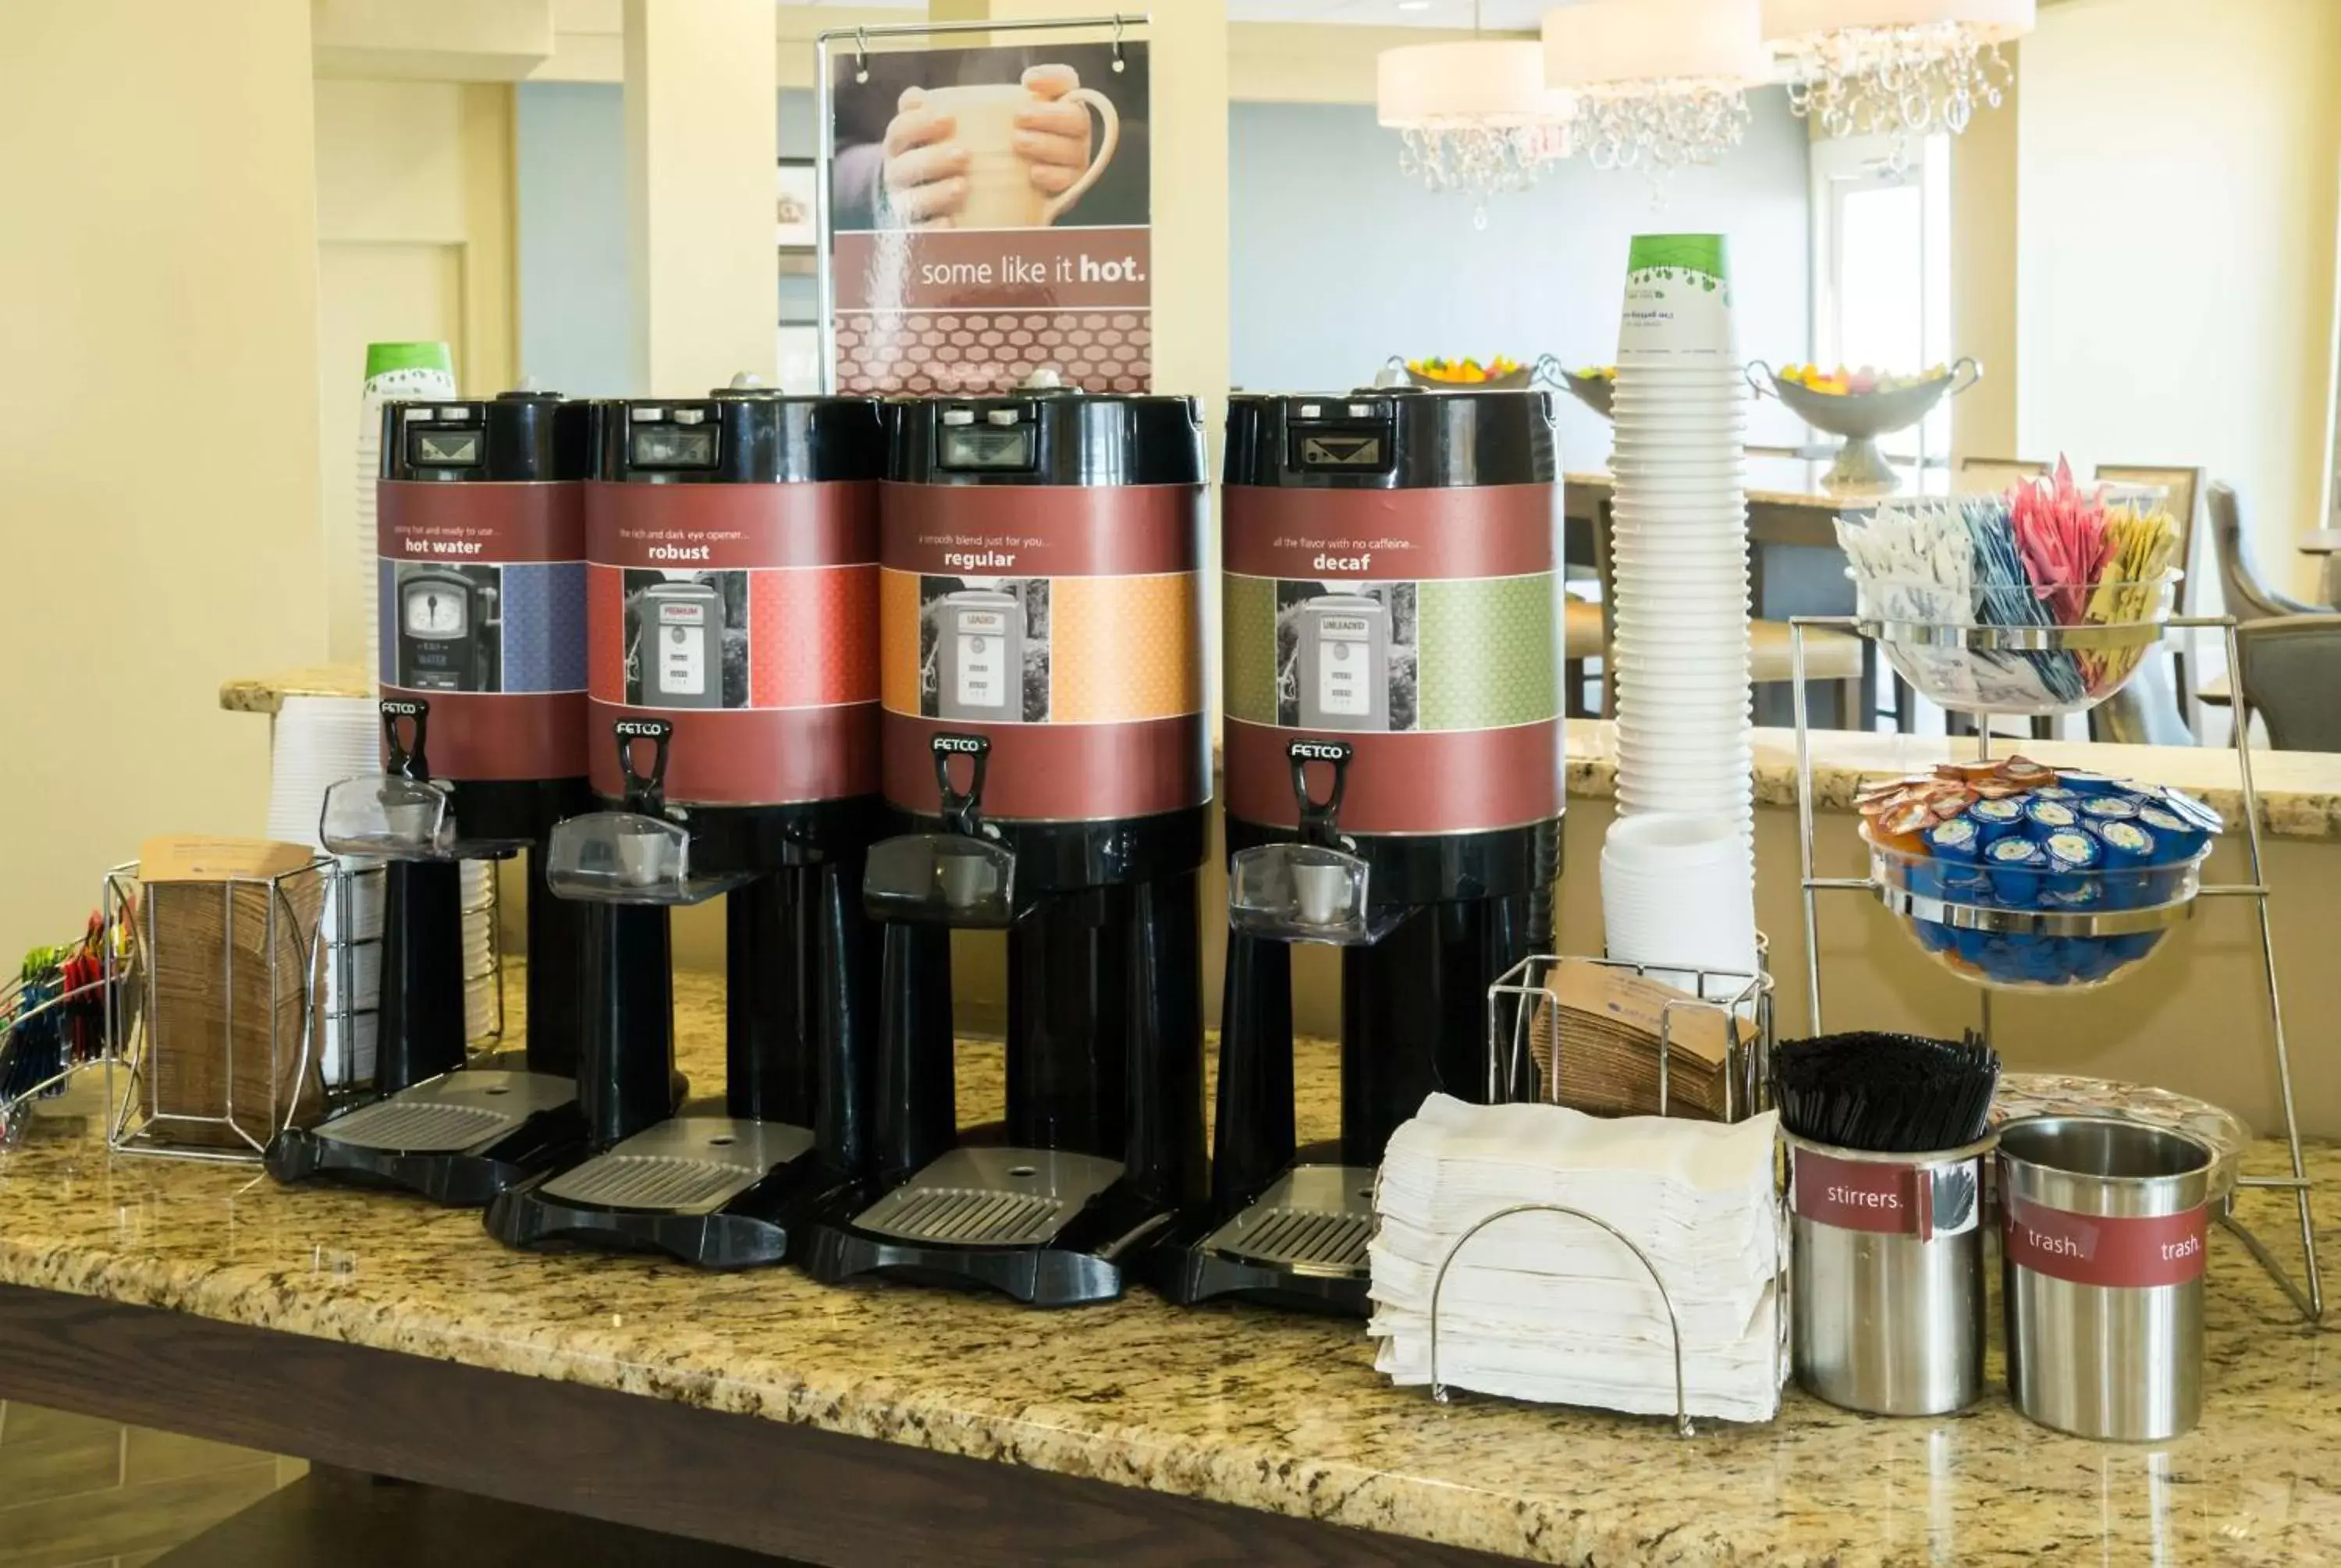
1881,273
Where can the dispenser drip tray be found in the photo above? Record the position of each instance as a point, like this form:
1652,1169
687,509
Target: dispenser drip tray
991,1197
689,1165
454,1113
1315,1219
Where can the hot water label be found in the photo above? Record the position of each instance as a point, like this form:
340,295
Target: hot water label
745,614
481,592
2124,1251
1422,625
1064,622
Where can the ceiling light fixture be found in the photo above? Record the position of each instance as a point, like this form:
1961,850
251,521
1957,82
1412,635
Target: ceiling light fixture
1474,116
1659,83
1903,67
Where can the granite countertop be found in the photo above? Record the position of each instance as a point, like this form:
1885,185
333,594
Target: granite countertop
1238,1404
2300,791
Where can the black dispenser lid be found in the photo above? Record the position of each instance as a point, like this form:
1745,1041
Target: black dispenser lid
1392,438
525,436
1045,432
745,434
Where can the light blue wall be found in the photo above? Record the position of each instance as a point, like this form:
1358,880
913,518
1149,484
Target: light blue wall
570,168
1339,261
1336,260
570,173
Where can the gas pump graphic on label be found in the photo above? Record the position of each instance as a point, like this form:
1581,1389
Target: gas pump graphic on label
683,635
1345,663
983,645
442,629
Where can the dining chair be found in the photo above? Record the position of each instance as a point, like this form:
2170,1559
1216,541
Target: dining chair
2142,712
2290,670
1838,659
2248,598
2182,490
1991,475
1581,638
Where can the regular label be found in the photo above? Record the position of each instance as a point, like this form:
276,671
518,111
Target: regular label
2126,1252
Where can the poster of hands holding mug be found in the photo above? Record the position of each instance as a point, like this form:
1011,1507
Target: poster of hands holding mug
989,217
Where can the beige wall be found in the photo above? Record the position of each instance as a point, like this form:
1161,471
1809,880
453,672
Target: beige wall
1983,275
2179,165
414,242
158,469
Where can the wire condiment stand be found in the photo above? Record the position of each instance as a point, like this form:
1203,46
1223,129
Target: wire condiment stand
2307,1293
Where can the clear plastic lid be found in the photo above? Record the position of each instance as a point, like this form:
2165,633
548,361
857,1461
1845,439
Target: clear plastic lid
388,815
941,878
627,858
1304,893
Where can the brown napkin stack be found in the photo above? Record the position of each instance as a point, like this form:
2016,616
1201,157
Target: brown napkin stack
226,990
1610,1020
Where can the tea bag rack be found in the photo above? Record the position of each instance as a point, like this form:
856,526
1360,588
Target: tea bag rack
1524,995
140,1119
2307,1291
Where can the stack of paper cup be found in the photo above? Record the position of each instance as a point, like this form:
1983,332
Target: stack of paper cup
317,742
1679,891
393,371
1679,546
482,1011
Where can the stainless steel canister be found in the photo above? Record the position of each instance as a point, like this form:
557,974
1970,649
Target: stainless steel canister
1887,1288
2103,1225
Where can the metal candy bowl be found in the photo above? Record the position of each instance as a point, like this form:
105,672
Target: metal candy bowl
1593,392
1859,419
2020,928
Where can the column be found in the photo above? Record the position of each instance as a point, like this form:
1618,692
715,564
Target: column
701,137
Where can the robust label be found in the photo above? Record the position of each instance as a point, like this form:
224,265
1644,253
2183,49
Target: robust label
747,616
2127,1252
1064,624
1886,1199
482,593
1420,625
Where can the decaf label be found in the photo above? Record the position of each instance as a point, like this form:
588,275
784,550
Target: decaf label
1390,658
2125,1251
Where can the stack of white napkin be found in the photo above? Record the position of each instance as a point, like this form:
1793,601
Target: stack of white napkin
1549,1307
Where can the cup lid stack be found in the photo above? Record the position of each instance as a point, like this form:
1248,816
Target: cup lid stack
1552,1307
1679,549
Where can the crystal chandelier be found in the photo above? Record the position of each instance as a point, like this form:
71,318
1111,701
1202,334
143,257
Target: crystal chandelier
1659,83
1473,116
1901,67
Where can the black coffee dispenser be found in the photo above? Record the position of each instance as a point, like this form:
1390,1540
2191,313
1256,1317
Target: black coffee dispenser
482,579
1394,758
733,611
1045,745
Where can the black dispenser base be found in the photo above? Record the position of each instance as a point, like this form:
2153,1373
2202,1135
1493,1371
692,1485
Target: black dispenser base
1298,1244
753,1221
340,1150
1087,1258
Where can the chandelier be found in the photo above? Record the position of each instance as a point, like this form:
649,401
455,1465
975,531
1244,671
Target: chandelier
1659,83
1900,67
1472,116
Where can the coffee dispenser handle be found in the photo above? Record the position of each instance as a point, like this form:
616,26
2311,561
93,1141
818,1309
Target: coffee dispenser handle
644,793
1111,118
405,760
1320,821
962,810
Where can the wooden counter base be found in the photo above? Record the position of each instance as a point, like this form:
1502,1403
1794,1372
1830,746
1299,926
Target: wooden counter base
814,1496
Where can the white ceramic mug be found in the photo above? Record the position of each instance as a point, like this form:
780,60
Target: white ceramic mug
1000,190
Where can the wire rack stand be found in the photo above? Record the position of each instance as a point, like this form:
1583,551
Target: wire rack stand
2307,1291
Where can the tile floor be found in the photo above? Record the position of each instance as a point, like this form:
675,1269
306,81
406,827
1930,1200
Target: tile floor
79,1493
